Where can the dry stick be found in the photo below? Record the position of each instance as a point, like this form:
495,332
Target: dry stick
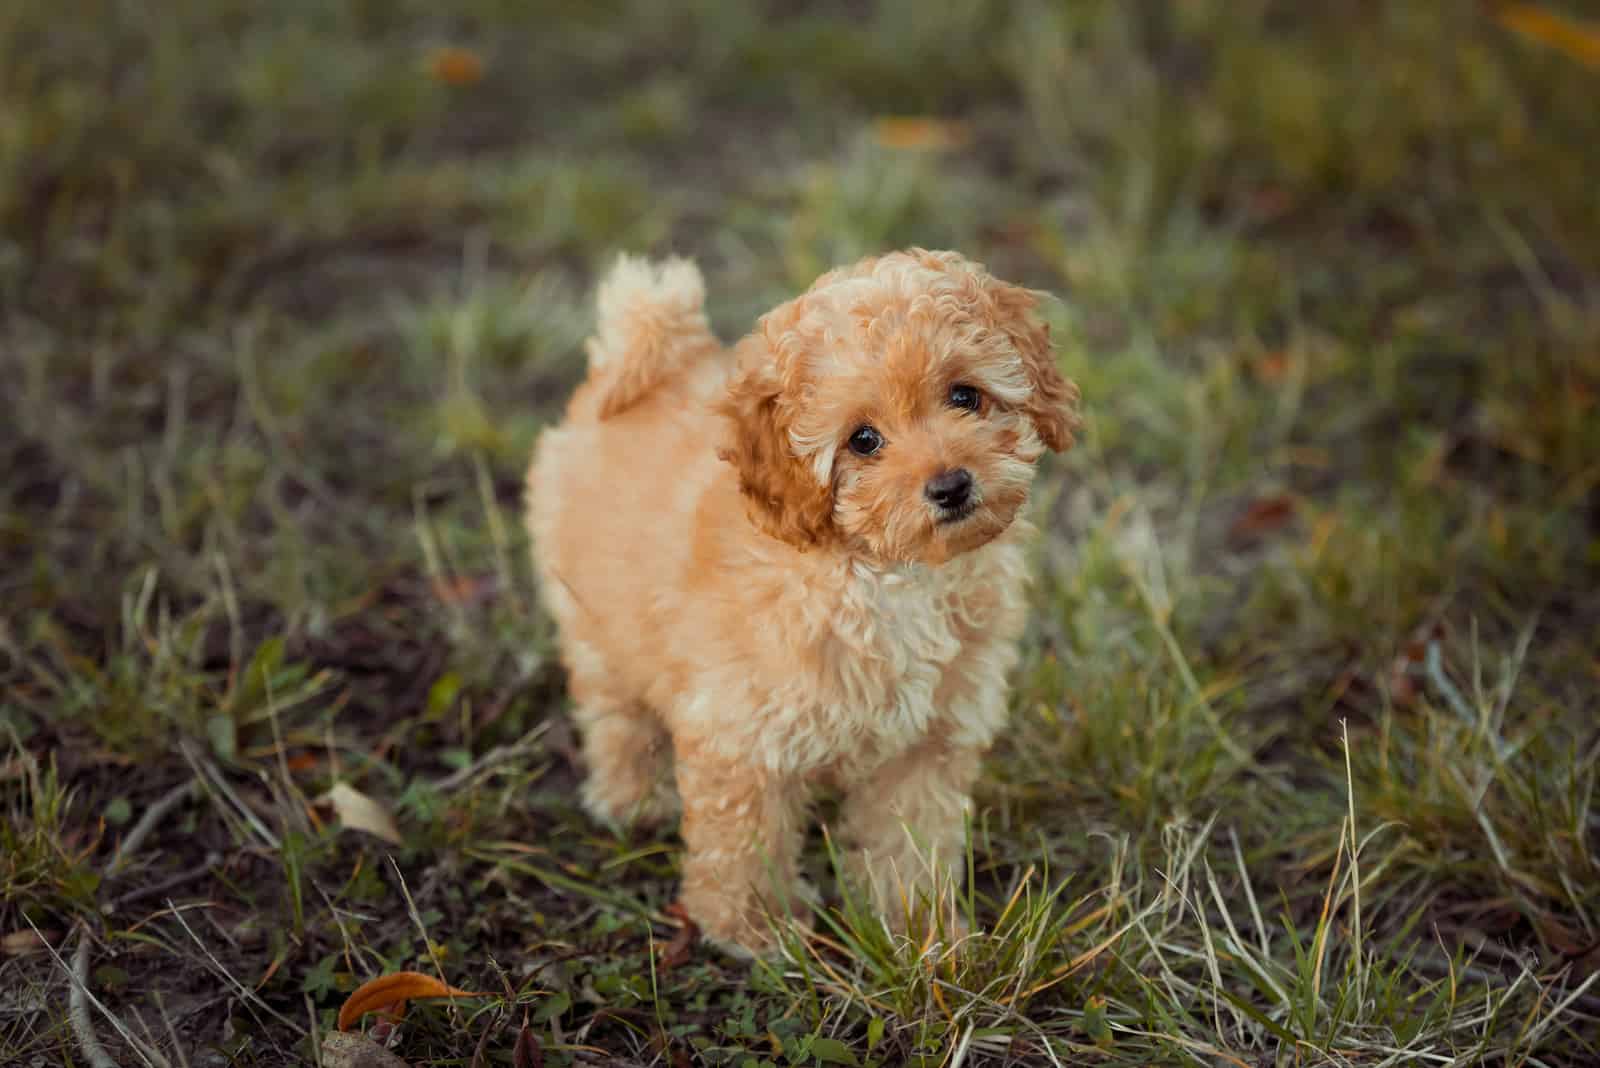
78,1007
79,998
78,1004
205,867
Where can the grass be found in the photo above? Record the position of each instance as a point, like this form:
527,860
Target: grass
1304,747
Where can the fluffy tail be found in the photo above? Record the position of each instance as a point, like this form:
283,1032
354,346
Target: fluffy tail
652,325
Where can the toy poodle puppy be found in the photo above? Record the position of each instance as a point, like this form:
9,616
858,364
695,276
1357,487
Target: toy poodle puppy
797,563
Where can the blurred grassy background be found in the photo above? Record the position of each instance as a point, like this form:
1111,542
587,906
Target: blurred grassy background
286,292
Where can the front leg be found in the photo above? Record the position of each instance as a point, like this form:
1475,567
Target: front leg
905,825
906,820
742,829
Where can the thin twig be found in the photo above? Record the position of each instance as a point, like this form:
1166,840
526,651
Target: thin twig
172,883
158,811
500,754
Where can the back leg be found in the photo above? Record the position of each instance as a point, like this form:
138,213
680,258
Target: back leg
629,758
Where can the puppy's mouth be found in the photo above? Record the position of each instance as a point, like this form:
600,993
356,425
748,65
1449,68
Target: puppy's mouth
951,516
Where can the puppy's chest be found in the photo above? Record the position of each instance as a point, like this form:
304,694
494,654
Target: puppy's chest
886,650
895,629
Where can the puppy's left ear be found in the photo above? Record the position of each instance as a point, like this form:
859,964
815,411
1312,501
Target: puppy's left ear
1053,404
784,497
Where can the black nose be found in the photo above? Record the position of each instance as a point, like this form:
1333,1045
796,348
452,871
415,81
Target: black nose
950,489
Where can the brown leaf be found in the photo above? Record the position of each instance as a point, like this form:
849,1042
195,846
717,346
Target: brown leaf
677,952
354,1051
527,1053
1264,515
392,992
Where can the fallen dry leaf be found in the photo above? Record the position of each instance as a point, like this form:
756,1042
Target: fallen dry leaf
361,813
1264,515
917,132
354,1051
21,943
676,953
455,66
1578,40
527,1053
392,992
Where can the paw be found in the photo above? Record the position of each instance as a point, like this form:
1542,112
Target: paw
921,909
623,810
745,929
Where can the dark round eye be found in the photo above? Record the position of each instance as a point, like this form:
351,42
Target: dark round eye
865,441
965,397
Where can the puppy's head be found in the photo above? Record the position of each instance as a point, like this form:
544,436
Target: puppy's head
896,408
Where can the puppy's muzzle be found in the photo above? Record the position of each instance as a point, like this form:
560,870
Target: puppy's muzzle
950,492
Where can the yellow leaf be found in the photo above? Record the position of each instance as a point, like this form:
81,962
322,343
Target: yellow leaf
361,813
1579,40
392,992
910,131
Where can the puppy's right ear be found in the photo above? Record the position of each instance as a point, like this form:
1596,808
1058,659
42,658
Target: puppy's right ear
785,499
